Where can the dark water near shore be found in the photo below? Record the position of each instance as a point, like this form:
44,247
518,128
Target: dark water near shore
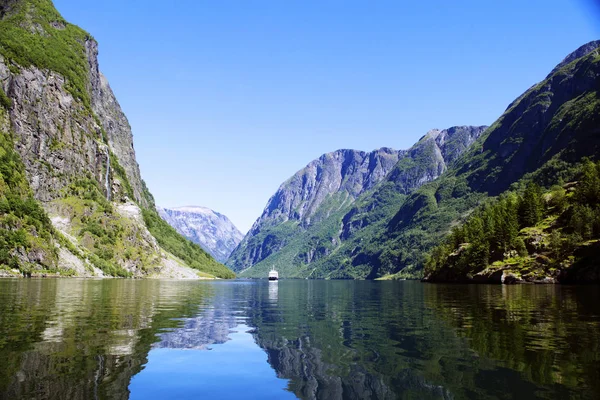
120,339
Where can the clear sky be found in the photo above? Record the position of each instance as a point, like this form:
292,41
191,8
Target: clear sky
227,99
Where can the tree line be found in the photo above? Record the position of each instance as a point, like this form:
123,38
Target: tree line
565,216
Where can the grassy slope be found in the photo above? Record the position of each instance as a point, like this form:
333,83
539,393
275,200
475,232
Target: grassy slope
27,38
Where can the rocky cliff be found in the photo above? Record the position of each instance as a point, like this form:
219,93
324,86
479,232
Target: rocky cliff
210,229
343,171
320,207
74,146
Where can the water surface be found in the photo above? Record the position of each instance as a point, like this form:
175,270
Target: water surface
121,339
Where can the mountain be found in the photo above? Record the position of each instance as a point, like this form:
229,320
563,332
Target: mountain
314,195
388,229
211,230
541,137
308,219
546,228
71,194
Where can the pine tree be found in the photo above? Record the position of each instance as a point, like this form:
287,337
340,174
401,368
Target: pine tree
531,207
588,190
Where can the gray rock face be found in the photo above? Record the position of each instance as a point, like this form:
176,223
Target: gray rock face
57,140
211,230
349,171
431,156
114,122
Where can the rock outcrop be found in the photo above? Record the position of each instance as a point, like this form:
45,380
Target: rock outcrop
343,171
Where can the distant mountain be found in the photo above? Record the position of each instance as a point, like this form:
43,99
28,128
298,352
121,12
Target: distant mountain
211,230
303,223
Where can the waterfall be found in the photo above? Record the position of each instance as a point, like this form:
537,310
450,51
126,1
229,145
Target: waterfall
107,182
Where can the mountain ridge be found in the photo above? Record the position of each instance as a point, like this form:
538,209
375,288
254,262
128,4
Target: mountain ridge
543,133
321,235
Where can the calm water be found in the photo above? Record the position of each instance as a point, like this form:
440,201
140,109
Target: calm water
120,339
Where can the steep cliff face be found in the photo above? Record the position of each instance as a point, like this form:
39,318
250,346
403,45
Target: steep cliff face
210,229
76,148
115,124
307,221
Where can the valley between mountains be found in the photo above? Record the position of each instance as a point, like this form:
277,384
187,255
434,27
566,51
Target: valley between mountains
517,201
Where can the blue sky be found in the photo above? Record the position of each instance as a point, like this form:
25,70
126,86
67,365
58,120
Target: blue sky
227,99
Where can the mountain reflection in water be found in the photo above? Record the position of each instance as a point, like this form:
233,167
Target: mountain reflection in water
119,339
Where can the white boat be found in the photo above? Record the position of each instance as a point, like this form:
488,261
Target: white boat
273,275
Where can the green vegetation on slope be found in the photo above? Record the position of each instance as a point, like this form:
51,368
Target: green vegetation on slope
110,239
344,237
192,254
530,234
362,223
24,226
33,33
369,247
395,243
292,248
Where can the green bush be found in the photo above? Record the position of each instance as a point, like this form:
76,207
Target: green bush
5,101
